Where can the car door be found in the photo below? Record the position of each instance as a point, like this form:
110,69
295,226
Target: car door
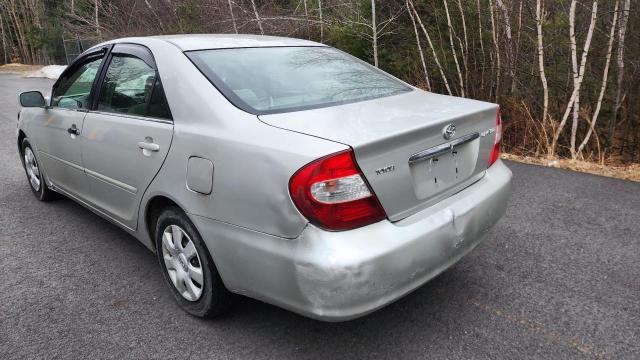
127,136
57,134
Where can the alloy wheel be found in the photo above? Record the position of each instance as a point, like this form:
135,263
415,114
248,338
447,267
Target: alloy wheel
33,172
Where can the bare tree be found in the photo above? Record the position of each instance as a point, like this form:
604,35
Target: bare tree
306,16
465,49
419,46
97,6
233,18
153,11
255,11
464,29
4,42
576,75
321,21
494,34
507,24
517,50
453,48
540,15
362,25
481,45
433,50
374,33
620,64
576,89
605,75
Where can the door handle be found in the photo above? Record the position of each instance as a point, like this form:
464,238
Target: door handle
148,146
73,130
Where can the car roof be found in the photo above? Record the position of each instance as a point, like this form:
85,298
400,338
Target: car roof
227,41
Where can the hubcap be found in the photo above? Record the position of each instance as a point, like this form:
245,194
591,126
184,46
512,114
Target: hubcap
182,262
33,172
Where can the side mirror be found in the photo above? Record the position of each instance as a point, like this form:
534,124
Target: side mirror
32,99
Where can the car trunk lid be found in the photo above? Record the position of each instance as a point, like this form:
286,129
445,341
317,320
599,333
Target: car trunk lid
414,149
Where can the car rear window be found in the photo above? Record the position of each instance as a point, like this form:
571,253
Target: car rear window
271,80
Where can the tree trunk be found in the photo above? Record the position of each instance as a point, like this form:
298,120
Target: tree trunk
374,33
543,76
433,50
465,49
306,16
18,29
233,18
517,50
321,22
255,11
155,14
497,48
453,48
482,63
97,17
576,90
605,75
576,75
624,18
507,23
415,30
4,42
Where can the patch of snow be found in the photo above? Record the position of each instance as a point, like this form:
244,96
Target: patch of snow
49,72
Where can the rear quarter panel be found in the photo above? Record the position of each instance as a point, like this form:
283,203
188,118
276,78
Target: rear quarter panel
253,162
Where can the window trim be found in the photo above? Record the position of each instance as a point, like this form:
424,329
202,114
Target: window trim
102,53
142,53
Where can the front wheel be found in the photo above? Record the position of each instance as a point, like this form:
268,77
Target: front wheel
187,266
34,172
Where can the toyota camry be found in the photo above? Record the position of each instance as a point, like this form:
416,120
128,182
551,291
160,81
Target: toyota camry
280,169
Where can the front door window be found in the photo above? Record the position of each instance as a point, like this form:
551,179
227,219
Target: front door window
73,90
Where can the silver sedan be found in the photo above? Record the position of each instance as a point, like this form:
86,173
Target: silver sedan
276,168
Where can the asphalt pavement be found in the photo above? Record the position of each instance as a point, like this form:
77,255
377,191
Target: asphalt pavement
558,278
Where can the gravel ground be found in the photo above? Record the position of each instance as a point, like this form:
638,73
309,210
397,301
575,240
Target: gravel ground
559,278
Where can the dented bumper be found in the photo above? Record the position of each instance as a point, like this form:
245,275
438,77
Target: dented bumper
335,276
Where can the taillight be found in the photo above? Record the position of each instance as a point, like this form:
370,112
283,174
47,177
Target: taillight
331,192
495,151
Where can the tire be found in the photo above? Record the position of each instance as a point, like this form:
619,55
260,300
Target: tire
179,263
35,174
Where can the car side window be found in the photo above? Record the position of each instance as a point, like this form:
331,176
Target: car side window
132,87
72,92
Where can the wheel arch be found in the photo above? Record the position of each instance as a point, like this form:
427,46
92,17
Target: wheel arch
21,137
152,210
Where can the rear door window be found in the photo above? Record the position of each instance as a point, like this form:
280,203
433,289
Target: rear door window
132,87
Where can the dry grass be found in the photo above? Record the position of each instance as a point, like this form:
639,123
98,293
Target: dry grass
16,68
626,172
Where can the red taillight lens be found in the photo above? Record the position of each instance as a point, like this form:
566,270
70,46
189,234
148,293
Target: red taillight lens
495,151
332,193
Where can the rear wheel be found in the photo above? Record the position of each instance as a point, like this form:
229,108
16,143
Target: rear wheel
34,172
187,266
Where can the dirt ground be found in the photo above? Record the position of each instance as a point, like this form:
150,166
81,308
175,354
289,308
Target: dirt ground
626,172
16,68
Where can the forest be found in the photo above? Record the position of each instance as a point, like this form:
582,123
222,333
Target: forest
566,72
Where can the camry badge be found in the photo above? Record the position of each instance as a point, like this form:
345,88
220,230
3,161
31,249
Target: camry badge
448,131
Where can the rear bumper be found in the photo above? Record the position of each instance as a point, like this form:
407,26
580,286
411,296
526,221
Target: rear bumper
335,276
